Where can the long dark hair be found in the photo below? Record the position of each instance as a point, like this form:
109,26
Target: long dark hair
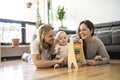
90,25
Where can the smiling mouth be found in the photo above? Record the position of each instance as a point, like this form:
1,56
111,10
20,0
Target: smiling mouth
83,35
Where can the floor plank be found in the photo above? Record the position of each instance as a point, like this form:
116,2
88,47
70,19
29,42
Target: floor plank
20,70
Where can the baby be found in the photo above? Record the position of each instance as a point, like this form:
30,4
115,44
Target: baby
61,48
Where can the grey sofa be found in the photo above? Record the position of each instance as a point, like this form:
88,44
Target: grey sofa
109,33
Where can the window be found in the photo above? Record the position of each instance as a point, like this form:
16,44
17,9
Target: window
20,17
16,29
30,31
9,31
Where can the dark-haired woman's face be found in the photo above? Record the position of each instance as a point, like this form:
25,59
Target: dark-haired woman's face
84,31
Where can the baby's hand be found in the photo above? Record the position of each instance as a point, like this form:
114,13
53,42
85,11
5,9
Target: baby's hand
57,50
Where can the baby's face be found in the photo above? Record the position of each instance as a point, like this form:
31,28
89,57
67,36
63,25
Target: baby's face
62,39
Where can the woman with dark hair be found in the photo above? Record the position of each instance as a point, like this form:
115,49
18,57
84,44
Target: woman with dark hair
94,49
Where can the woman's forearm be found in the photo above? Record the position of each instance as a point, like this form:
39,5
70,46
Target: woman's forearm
104,60
45,63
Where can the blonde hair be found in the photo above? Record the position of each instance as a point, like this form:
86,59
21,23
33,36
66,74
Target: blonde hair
56,37
42,32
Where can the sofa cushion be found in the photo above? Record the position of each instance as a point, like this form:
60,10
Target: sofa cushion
105,36
113,48
116,23
116,37
115,28
102,25
104,29
98,30
69,36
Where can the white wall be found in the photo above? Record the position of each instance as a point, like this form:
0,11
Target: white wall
17,10
97,11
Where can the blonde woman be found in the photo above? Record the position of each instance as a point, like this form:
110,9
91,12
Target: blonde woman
42,48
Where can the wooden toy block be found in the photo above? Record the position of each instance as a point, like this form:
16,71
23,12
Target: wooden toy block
76,54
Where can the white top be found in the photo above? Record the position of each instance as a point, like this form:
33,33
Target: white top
63,50
34,47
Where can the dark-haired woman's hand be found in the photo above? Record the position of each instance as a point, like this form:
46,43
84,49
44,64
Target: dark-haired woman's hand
98,58
91,62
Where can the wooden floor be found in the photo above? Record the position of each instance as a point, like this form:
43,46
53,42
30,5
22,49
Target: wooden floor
20,70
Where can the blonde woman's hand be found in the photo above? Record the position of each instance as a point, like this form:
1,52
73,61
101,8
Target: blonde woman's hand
63,59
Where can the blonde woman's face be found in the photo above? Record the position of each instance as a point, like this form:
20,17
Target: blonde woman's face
62,39
49,38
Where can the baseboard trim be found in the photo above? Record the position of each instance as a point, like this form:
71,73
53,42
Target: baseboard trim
10,58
